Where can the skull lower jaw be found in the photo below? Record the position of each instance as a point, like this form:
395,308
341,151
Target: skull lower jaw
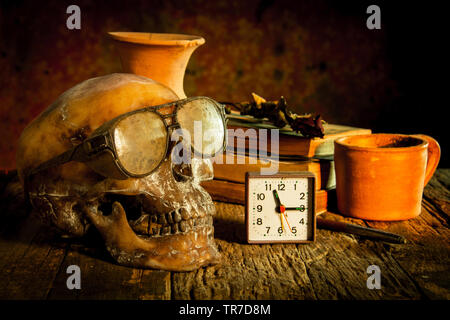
182,251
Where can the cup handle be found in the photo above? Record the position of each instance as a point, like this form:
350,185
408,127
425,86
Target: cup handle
434,155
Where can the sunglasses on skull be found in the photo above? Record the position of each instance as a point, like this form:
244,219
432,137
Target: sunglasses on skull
134,144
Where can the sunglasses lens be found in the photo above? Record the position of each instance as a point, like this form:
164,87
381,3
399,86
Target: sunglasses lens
202,119
140,140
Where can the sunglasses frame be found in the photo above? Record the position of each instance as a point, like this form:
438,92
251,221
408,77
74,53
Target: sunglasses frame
99,149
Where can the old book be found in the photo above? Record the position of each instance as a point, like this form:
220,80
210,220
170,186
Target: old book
246,135
232,167
232,192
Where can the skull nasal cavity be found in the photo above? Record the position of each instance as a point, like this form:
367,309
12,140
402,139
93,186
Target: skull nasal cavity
131,204
182,172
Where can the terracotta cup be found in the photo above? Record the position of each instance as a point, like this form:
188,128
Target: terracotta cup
382,176
162,57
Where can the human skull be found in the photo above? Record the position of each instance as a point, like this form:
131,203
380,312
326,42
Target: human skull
161,221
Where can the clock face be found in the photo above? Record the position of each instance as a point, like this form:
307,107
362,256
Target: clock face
280,208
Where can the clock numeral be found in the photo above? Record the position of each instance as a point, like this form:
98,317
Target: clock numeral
259,221
260,196
302,221
302,208
268,187
295,186
259,208
302,196
294,230
280,230
281,187
268,229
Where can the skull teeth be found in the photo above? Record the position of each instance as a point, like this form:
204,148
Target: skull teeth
162,219
176,216
169,217
173,222
184,214
183,226
165,230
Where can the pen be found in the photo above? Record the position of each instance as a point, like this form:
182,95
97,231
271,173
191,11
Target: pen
359,230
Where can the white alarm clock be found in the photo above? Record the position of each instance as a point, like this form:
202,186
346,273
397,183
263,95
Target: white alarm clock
280,208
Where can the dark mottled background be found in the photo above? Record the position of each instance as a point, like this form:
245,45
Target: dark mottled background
318,54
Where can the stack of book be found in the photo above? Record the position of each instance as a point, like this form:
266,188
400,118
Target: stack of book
294,152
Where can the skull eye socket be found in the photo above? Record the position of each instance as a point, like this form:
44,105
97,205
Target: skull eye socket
203,112
140,141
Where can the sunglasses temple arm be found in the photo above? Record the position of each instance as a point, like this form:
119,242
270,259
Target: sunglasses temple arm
58,160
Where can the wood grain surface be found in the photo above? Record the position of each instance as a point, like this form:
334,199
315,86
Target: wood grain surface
34,260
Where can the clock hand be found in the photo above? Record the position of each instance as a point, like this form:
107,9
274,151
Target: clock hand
279,207
293,208
277,200
282,212
282,209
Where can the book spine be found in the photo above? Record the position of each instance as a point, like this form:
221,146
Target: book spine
248,139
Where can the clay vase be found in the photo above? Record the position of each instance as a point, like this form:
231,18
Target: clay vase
382,176
162,57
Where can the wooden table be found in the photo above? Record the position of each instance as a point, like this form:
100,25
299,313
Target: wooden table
34,261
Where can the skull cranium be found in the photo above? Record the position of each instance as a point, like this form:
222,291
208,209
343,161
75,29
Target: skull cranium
162,221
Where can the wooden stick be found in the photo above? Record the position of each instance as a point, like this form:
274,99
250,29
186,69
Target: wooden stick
359,230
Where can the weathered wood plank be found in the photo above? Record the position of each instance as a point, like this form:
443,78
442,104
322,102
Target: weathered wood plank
340,271
334,267
33,262
155,285
247,272
31,275
426,256
15,243
102,278
28,260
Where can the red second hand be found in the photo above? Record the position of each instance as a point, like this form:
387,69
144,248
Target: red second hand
282,210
